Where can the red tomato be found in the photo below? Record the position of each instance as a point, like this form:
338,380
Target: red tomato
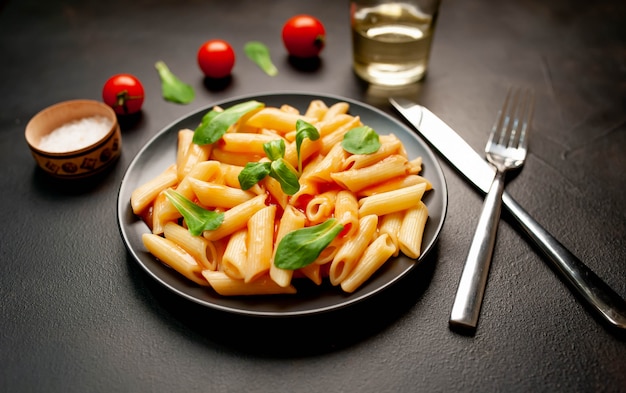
216,58
304,36
124,93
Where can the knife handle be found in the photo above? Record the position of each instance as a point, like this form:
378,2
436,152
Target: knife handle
471,289
582,280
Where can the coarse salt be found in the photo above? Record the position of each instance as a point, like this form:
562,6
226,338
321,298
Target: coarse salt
76,134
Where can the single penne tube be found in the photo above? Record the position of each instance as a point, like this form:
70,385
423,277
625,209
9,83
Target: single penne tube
236,218
394,184
227,286
349,253
412,230
185,138
321,207
158,218
358,179
245,143
235,254
347,212
260,243
390,224
145,194
316,109
237,159
174,256
275,190
219,195
291,220
332,162
335,137
415,166
195,154
290,109
198,247
376,254
276,119
328,126
392,201
389,146
336,109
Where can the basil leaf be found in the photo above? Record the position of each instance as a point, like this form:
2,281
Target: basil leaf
197,218
216,125
274,149
286,175
361,140
260,55
253,173
301,247
304,130
172,88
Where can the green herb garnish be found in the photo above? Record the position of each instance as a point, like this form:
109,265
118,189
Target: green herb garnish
278,168
304,130
215,124
301,247
172,88
260,55
361,140
198,219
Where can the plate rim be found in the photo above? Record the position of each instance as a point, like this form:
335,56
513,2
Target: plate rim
122,205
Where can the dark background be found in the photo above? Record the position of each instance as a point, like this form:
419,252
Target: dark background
79,315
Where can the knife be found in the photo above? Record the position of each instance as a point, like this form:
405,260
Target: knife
582,280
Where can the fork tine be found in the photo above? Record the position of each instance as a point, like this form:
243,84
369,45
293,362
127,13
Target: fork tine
528,114
501,122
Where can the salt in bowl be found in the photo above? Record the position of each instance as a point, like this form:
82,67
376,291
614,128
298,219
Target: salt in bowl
74,139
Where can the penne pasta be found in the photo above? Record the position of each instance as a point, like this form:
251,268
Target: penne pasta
412,230
246,143
376,197
198,247
392,201
376,254
235,254
291,220
321,207
348,255
219,195
174,256
236,218
228,286
260,243
145,194
358,179
276,119
347,212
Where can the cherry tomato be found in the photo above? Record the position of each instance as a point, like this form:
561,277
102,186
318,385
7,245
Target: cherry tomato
216,58
124,93
304,36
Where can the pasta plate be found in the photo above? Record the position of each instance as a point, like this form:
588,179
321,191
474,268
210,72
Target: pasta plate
160,152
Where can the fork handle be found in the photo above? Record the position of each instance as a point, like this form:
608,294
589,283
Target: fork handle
469,295
581,279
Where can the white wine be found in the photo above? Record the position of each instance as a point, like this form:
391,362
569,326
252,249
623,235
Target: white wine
391,43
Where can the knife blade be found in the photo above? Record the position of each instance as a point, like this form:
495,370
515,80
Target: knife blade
580,279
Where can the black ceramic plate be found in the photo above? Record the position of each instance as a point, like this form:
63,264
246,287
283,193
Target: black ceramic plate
160,152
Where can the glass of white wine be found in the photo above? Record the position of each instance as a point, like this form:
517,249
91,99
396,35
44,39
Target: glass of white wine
391,40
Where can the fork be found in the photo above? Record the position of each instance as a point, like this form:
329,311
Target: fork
506,150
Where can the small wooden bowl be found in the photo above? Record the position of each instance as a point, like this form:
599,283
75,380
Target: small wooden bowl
76,162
